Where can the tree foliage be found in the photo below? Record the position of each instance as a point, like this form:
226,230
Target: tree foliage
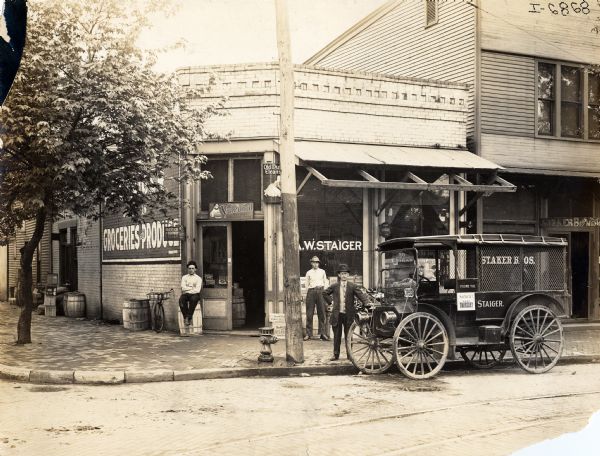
88,120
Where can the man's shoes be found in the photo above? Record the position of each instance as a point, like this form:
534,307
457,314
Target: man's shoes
186,321
334,358
324,337
307,337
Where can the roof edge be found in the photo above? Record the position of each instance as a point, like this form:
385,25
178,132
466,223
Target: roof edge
352,31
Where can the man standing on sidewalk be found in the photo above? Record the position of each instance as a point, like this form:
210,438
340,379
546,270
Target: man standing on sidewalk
342,295
191,285
316,281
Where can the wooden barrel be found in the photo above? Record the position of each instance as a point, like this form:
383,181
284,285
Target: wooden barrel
239,312
136,314
74,305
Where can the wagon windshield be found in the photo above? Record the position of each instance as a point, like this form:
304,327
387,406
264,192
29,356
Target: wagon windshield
399,268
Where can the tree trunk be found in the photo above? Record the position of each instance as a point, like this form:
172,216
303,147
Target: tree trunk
26,290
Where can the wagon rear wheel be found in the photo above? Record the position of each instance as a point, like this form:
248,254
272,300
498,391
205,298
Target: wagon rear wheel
369,353
482,357
536,339
420,345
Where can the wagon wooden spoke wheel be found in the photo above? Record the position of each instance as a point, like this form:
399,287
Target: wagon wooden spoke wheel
420,345
482,357
369,353
536,339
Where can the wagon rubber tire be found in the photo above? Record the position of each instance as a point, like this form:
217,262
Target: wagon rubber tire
536,339
481,357
369,353
420,345
158,319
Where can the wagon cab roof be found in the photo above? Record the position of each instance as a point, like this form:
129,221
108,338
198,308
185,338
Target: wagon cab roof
471,239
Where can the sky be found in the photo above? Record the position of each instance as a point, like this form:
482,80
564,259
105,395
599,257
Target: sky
243,31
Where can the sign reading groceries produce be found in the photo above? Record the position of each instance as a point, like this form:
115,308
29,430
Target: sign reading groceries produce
124,240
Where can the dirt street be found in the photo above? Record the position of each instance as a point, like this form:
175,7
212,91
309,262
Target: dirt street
461,413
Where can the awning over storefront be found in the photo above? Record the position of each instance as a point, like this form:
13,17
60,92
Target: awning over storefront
368,154
454,164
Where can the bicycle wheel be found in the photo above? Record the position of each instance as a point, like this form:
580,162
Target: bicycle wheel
159,317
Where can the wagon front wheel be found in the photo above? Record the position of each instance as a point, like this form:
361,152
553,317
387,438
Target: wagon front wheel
482,357
369,353
536,339
420,345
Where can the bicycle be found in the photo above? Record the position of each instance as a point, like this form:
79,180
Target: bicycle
158,311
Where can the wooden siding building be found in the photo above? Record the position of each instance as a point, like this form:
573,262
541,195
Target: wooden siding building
533,107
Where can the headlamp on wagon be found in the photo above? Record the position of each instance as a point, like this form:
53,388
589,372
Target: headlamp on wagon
388,317
362,317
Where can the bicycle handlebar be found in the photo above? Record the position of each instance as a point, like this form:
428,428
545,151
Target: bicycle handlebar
162,295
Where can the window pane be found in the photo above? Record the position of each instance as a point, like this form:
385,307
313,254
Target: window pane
594,106
330,226
214,190
545,118
570,84
546,81
594,122
246,181
570,92
570,119
594,88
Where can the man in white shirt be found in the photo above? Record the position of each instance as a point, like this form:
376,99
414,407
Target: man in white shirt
316,281
191,285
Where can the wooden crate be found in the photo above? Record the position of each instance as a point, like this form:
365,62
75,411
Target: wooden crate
195,328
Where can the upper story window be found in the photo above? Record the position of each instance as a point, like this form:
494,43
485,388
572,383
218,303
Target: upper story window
570,104
568,101
431,12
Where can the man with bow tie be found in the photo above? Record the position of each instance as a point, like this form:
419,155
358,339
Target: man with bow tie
340,299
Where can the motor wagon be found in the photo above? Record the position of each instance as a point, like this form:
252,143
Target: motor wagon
478,295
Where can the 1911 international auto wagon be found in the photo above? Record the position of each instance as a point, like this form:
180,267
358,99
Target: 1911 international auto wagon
474,294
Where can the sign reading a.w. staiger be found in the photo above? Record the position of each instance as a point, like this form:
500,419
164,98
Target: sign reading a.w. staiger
126,241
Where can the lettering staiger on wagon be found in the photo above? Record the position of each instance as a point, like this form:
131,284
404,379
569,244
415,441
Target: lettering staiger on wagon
477,295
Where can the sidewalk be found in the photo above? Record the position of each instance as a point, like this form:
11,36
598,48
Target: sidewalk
67,350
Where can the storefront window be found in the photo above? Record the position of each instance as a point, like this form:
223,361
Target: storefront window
330,223
510,213
417,213
247,185
214,189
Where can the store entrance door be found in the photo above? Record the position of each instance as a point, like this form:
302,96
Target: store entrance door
580,260
579,264
248,274
216,275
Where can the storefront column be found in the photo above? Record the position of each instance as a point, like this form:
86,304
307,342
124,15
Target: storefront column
368,252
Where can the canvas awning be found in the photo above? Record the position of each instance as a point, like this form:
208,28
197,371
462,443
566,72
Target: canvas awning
455,163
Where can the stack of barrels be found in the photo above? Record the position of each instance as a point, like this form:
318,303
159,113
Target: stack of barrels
239,307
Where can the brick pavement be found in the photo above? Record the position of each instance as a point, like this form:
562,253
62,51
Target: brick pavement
63,344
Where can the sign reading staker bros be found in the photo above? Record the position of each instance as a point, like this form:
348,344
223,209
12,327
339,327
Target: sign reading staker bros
126,241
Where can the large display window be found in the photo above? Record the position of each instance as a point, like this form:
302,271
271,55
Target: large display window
416,212
330,224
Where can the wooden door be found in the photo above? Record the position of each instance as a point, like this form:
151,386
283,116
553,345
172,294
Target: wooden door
215,268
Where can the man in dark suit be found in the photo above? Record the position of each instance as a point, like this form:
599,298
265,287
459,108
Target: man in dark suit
342,295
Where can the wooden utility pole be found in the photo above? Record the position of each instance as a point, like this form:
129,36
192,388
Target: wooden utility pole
291,264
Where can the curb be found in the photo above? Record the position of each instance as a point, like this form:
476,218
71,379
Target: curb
117,377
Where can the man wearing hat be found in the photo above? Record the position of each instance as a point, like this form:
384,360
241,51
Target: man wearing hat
316,281
342,295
